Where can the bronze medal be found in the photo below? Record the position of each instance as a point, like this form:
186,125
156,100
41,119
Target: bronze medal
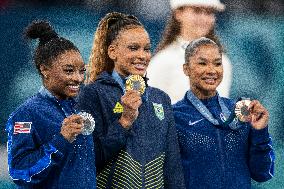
242,112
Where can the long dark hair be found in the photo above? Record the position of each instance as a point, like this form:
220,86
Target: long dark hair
173,29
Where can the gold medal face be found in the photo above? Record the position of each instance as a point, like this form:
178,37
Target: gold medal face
135,82
242,111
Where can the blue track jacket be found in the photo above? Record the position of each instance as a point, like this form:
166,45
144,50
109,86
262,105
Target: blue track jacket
39,156
216,157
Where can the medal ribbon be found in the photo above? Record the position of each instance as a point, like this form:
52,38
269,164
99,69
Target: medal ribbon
87,130
46,93
202,109
119,80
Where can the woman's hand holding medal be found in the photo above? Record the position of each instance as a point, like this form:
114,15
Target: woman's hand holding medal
130,101
71,127
253,112
258,115
81,123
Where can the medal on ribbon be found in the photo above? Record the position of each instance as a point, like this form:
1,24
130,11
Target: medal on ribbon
135,82
240,113
89,123
228,118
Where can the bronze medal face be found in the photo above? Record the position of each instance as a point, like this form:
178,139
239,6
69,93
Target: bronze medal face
135,82
242,112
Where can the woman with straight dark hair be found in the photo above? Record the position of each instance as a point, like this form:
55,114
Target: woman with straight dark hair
223,143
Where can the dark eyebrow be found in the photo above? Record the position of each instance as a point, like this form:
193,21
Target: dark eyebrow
133,43
203,59
68,66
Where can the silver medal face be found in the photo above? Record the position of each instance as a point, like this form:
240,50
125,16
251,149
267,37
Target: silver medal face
89,123
242,112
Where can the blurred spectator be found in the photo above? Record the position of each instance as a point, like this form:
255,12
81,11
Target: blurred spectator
190,19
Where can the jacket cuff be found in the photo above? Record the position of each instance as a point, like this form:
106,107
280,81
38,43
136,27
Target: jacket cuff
119,129
60,143
259,136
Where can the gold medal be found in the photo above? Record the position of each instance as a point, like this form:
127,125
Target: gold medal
135,82
242,112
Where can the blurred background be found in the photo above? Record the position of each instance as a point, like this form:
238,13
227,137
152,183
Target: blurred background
251,31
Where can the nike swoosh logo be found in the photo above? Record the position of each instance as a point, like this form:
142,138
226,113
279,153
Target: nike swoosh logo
193,123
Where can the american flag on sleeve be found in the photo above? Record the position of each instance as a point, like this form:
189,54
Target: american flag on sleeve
22,127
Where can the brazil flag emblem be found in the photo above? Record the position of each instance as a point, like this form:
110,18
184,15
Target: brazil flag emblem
159,111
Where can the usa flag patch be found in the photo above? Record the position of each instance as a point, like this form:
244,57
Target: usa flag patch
22,127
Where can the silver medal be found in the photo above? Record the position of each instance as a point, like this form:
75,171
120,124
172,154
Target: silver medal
89,123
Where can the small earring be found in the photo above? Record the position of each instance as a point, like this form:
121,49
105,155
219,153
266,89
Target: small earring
45,76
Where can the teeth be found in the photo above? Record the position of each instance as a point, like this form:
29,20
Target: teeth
75,87
210,80
140,66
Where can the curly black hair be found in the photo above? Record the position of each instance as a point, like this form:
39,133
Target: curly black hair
50,44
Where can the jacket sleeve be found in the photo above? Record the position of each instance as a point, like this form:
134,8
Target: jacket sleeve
29,161
174,177
261,155
109,137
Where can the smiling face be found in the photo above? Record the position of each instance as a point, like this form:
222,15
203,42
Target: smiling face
65,74
205,70
130,51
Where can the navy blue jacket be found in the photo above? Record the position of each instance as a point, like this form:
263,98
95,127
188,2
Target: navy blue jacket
40,157
218,157
147,155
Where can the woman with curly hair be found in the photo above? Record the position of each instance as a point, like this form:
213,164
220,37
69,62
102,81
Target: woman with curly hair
135,136
46,148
